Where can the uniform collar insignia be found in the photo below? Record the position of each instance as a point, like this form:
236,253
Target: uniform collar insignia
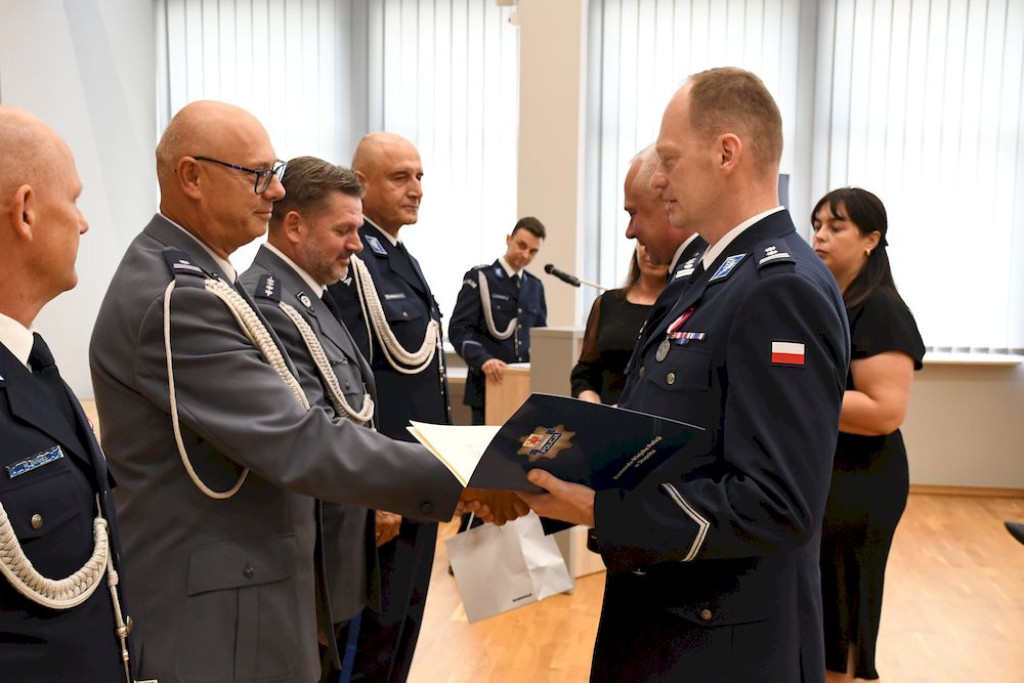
727,267
304,300
375,246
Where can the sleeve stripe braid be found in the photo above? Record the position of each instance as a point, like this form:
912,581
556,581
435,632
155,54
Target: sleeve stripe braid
702,524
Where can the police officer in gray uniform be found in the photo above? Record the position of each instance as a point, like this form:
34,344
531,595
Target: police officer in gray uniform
313,232
218,453
496,308
712,560
61,610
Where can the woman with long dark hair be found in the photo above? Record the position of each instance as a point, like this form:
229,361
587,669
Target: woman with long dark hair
870,478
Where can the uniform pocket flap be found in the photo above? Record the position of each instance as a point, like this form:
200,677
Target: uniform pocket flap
40,505
240,563
398,310
684,367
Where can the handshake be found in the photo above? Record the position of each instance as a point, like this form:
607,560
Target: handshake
495,507
561,500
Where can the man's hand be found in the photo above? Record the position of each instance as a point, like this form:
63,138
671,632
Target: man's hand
387,526
568,502
496,507
494,369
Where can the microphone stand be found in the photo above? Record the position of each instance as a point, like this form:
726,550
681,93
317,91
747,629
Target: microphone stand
588,283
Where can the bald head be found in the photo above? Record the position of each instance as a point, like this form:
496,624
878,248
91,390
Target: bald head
40,223
29,148
649,223
205,165
390,168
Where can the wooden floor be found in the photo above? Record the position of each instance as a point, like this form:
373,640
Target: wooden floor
954,609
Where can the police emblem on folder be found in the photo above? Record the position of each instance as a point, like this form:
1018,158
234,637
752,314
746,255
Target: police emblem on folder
592,444
546,442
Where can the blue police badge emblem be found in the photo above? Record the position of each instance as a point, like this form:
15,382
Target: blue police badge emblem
375,245
727,267
545,442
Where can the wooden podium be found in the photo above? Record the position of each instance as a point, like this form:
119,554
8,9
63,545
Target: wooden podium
505,397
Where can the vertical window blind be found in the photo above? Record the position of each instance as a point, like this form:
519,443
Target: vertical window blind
320,74
919,101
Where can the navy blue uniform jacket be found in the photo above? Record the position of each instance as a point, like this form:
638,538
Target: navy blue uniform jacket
38,643
408,306
468,329
721,542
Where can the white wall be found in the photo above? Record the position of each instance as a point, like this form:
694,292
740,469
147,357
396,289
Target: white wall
87,68
552,74
965,426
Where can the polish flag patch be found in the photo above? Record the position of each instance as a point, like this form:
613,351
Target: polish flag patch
787,353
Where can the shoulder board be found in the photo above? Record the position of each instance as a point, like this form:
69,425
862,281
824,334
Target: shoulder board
685,269
772,254
375,246
727,268
180,263
268,288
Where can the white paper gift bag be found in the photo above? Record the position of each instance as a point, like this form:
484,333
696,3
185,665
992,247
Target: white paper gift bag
501,568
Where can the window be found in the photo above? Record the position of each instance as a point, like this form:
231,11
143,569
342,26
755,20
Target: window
919,101
320,74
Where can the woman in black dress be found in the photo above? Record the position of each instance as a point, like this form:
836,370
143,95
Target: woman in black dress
612,330
870,480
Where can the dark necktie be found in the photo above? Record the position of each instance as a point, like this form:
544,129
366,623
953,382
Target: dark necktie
516,281
44,369
331,304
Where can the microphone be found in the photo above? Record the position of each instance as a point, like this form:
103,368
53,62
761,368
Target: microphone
562,275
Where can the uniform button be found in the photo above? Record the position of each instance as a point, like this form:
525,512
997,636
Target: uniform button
670,378
520,310
37,521
248,572
426,507
405,314
706,614
641,372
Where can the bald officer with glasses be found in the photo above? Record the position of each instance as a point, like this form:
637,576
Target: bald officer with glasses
219,458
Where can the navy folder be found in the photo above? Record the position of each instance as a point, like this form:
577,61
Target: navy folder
588,443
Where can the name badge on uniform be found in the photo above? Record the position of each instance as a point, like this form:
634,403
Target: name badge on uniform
394,297
34,463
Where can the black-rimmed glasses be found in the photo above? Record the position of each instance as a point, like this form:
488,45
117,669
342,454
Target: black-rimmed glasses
263,175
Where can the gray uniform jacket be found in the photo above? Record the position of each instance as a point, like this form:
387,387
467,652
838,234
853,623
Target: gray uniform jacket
350,552
223,590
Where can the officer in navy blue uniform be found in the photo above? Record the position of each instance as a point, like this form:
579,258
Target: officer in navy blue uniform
387,305
679,249
56,515
712,560
497,306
